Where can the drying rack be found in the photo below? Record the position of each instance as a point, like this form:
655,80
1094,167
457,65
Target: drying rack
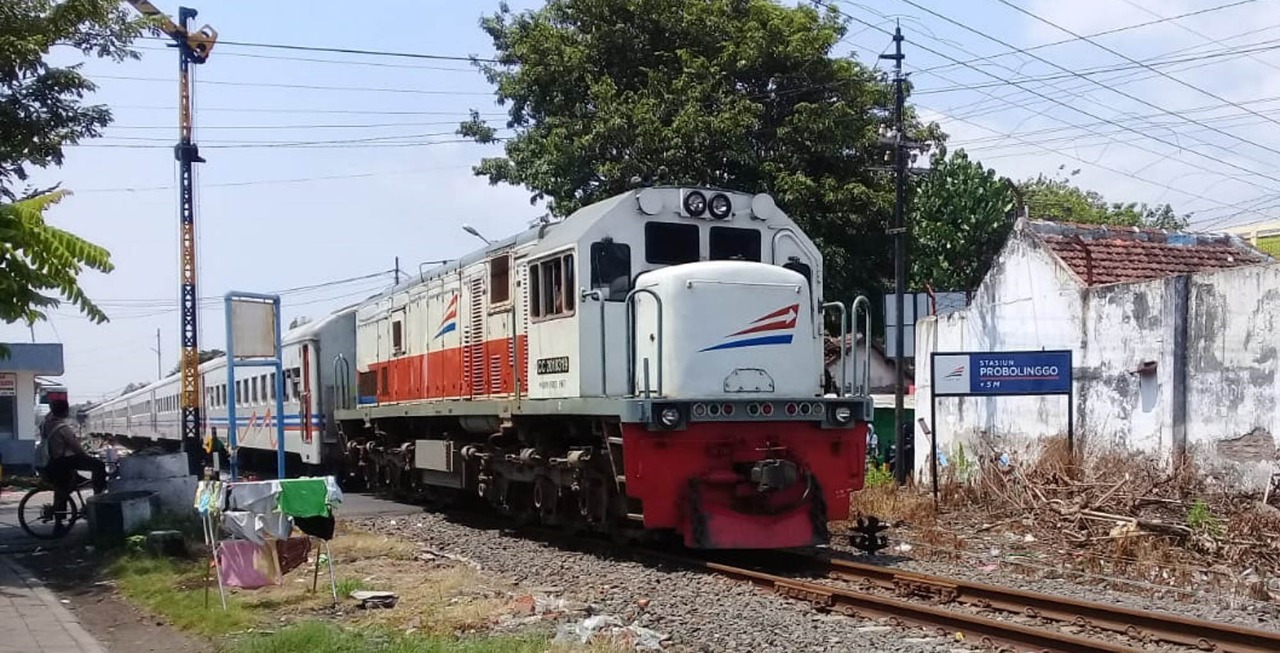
211,501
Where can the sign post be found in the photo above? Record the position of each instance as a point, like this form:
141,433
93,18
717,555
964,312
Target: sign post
1000,374
253,340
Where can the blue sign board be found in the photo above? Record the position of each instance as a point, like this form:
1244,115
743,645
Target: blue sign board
995,373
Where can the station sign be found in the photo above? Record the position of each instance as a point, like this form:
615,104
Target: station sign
996,373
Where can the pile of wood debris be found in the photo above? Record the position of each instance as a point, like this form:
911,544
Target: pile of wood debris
1129,510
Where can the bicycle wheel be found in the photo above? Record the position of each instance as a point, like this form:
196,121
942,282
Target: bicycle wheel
37,518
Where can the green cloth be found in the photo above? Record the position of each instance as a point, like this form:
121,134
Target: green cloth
304,497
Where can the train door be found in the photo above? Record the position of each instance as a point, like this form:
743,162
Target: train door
305,396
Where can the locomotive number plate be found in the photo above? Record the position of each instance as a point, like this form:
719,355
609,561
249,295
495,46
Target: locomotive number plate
557,365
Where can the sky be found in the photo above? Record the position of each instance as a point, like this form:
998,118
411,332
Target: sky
323,168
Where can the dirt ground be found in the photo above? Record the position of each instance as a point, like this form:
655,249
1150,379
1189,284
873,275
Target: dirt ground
119,626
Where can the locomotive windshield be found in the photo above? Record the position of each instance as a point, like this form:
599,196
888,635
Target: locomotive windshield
732,243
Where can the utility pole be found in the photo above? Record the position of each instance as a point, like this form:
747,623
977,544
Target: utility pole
156,349
397,270
902,462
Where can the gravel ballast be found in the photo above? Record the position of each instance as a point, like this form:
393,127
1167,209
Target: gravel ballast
703,612
699,612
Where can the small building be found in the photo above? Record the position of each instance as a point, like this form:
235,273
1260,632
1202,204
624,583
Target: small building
1262,235
19,394
883,378
1174,339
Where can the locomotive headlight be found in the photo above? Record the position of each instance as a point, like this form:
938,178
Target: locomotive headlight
720,206
669,417
843,414
695,203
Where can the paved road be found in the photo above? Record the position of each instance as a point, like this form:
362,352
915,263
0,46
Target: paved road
32,619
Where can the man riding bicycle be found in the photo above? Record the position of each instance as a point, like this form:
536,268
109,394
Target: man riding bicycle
66,455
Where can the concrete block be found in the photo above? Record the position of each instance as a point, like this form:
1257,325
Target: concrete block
153,466
116,515
176,495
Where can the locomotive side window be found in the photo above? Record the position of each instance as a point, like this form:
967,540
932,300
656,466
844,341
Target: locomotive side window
397,338
499,280
551,287
611,269
734,243
668,243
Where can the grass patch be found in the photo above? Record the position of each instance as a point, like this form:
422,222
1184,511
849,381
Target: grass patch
320,637
348,585
175,590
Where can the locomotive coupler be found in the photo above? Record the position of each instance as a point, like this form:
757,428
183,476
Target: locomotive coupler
774,474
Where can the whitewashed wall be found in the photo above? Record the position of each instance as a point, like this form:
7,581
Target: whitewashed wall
1116,333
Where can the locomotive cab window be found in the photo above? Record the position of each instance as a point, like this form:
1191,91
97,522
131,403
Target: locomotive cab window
397,337
611,269
668,243
552,287
732,243
499,280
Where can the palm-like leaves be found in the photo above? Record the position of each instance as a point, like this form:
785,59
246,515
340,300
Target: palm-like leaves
40,264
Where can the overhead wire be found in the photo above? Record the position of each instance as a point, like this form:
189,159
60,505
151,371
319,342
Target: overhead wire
1115,30
1124,94
1046,149
1159,72
309,87
336,50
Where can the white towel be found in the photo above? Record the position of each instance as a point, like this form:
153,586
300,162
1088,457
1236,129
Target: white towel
256,496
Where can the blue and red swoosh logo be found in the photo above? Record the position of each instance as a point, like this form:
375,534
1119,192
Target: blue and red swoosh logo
450,320
763,330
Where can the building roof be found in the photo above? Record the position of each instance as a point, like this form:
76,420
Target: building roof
1101,255
38,358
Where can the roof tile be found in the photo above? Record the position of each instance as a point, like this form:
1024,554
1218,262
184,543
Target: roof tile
1104,255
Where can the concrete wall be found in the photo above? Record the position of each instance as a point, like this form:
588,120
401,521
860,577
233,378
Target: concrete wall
1025,302
1233,386
1160,366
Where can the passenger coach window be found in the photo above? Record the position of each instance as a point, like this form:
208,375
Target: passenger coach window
733,243
668,243
611,269
552,287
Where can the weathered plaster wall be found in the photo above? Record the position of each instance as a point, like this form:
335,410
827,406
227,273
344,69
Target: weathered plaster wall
882,375
1027,301
1181,362
1234,388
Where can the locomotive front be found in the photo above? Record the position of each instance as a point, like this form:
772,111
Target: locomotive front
739,445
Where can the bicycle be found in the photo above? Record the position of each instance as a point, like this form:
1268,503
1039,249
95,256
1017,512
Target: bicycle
45,515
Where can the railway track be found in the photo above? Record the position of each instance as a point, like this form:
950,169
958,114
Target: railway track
1137,625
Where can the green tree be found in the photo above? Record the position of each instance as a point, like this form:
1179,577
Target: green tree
206,355
42,110
1055,198
741,94
961,215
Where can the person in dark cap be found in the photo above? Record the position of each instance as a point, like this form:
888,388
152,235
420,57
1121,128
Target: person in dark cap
67,455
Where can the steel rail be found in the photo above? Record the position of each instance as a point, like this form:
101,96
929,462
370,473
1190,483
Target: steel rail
1005,635
1138,624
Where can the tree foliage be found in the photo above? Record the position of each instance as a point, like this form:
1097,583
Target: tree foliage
39,260
961,215
42,110
740,94
1055,198
206,355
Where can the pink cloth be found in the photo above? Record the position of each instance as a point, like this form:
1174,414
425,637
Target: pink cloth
246,564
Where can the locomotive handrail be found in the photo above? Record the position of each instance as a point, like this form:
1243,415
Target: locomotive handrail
341,383
844,333
865,387
604,367
631,337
